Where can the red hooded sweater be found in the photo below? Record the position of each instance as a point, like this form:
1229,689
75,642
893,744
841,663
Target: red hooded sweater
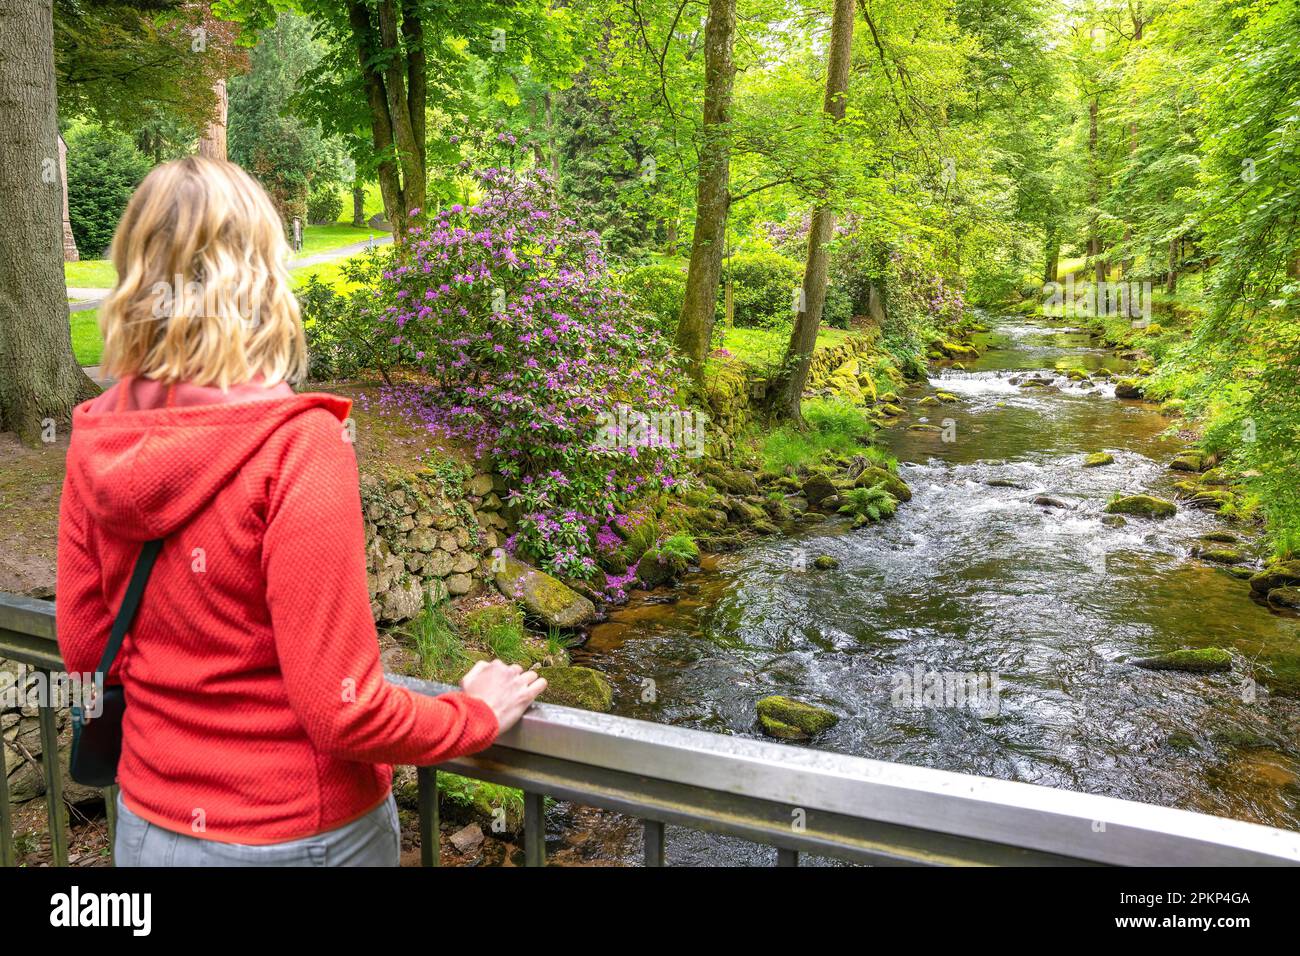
257,711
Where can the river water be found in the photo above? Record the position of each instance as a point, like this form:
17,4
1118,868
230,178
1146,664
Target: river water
976,579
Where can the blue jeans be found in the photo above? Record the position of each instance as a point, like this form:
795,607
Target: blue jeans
372,840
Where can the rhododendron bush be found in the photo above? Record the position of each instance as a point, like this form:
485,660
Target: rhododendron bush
530,352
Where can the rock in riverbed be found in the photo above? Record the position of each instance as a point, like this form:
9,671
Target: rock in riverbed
1285,597
1280,575
1144,506
1199,661
826,563
791,719
1097,459
577,687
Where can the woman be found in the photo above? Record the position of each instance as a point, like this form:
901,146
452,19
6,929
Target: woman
259,728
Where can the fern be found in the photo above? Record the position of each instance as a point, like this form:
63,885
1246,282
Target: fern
873,504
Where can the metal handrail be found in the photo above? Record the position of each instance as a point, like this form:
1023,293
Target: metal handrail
796,799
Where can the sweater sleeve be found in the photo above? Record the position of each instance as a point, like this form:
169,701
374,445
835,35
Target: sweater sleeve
313,559
83,620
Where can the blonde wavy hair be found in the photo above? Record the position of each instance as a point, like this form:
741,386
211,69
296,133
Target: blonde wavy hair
203,292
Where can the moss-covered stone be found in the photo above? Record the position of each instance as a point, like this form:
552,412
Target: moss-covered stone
817,489
658,566
928,402
577,687
1220,537
545,598
1285,597
1279,575
946,397
1098,458
1193,461
1198,661
1128,388
1221,555
922,427
893,410
791,719
874,475
1114,521
826,563
1143,506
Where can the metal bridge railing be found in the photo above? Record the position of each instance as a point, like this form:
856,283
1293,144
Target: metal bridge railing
795,799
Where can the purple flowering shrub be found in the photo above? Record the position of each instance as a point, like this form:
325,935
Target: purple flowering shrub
530,350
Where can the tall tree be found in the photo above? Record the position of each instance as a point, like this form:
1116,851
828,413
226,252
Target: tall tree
712,196
812,300
40,380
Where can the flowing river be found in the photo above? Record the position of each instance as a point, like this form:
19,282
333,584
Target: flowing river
976,578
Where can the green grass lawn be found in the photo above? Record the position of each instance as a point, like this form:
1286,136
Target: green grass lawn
90,274
86,343
767,346
99,273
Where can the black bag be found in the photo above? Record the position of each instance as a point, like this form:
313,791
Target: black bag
97,741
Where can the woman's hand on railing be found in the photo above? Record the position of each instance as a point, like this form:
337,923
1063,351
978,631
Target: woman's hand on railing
507,688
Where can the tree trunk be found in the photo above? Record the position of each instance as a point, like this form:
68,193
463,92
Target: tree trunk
1052,248
40,380
358,205
712,200
70,253
1171,278
803,337
395,77
1094,227
213,142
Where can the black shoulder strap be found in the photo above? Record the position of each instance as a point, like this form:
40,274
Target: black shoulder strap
126,613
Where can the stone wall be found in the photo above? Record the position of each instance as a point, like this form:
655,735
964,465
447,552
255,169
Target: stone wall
735,391
427,532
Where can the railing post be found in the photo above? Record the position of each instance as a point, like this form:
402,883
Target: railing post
654,842
110,816
786,857
534,829
430,841
53,781
7,855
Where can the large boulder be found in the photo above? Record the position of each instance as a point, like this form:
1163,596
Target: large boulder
791,719
1143,506
1128,388
1280,575
545,598
1285,597
658,567
577,687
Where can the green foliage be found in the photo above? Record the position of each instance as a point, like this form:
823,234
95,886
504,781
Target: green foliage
873,504
103,170
765,283
499,628
324,204
342,338
657,290
834,427
441,652
681,547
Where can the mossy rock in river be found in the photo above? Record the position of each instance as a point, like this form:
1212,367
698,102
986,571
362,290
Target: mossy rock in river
928,402
1220,537
791,719
1285,597
1220,555
873,476
892,410
1280,575
1197,661
1098,458
946,397
826,563
577,687
924,428
658,566
1193,461
1143,506
1128,388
